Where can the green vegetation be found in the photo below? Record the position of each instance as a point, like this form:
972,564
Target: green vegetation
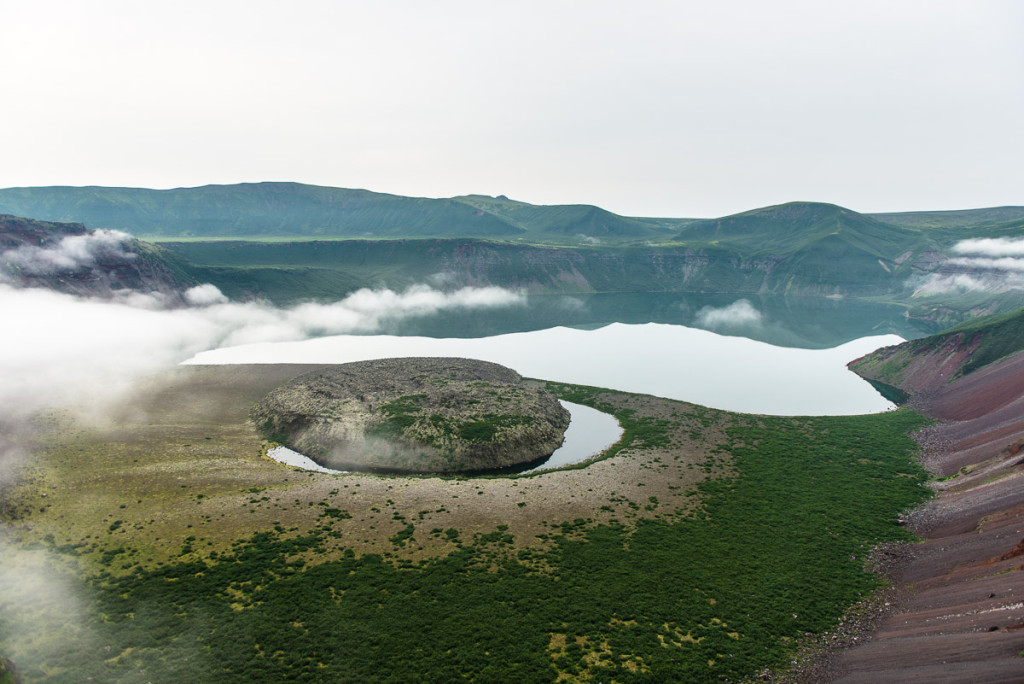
772,552
8,673
254,210
487,426
401,414
288,242
991,337
799,227
1000,336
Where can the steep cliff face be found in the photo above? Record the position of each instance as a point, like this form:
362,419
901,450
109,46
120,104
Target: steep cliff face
414,415
333,269
957,591
69,258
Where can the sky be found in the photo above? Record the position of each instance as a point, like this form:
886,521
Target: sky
650,108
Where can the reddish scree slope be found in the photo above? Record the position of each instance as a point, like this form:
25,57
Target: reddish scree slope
959,613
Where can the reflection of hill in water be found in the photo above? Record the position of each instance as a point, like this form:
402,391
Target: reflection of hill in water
805,322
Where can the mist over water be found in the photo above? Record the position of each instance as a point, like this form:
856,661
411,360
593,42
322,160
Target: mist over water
676,362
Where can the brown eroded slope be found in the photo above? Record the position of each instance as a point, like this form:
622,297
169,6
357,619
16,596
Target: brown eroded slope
959,603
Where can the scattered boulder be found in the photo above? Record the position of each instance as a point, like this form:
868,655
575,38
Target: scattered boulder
416,415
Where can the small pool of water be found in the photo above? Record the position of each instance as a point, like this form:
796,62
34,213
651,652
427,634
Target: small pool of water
589,433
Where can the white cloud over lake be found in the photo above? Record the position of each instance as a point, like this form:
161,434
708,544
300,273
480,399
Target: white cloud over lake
58,348
991,265
991,247
738,314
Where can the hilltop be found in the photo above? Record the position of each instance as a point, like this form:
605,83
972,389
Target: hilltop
280,210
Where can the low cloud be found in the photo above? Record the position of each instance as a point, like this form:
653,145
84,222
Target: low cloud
962,283
71,254
943,284
205,295
58,348
739,313
62,351
992,247
992,265
988,263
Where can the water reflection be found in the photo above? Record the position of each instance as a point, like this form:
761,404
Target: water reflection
589,433
672,361
806,322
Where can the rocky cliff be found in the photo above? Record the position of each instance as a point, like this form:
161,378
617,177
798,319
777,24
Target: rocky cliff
414,415
70,258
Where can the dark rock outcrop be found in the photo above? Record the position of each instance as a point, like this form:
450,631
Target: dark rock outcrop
423,415
70,258
8,673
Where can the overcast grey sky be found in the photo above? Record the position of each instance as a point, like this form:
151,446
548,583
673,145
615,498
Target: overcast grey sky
644,108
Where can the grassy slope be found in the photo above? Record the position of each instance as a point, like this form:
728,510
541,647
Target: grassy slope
801,226
569,219
294,210
979,342
247,573
964,218
1000,336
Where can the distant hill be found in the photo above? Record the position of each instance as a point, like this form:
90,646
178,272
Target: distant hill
283,210
959,218
570,219
289,242
948,227
786,228
815,242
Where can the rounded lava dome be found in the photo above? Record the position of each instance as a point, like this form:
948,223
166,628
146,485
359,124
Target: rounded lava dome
422,415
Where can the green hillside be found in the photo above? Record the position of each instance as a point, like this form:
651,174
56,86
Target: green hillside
948,355
962,218
787,228
291,210
244,267
288,241
999,336
570,219
253,210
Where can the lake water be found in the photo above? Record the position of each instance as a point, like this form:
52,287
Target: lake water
732,373
589,433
